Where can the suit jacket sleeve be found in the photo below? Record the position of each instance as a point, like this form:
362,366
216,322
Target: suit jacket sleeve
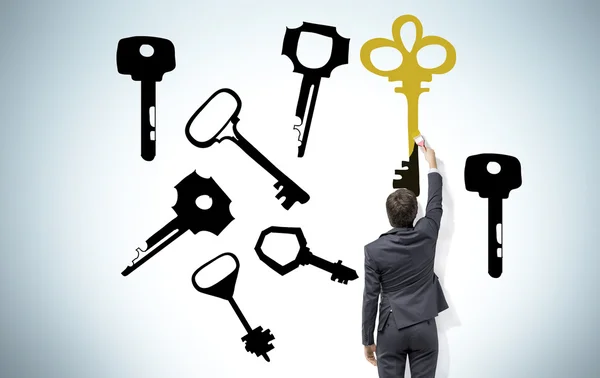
433,212
370,300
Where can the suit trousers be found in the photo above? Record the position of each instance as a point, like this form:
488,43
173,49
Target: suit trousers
418,342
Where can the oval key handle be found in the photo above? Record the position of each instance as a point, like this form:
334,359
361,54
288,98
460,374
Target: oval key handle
233,119
223,289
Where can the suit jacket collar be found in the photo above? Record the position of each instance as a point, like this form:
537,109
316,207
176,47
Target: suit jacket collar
397,230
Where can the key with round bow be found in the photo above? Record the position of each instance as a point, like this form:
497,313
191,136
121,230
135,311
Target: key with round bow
190,216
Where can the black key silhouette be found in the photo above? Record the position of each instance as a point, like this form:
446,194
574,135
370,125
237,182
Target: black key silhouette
339,272
410,176
149,70
289,189
312,76
495,187
189,216
257,340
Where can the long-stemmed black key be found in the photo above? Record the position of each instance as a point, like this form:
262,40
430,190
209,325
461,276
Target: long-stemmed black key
495,187
288,188
339,272
257,340
409,177
149,70
190,217
312,76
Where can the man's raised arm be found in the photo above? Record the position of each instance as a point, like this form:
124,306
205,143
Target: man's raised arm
433,211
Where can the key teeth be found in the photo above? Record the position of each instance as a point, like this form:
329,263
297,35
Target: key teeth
139,255
400,172
287,204
297,128
271,336
339,279
258,342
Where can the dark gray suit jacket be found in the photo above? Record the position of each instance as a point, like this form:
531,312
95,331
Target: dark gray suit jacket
399,266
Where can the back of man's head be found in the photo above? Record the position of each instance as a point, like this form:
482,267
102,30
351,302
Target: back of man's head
401,208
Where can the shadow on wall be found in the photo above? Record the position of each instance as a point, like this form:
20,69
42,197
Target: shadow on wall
449,318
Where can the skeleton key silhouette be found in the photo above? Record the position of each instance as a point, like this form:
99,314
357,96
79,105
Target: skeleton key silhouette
258,341
312,76
289,189
190,217
339,272
412,74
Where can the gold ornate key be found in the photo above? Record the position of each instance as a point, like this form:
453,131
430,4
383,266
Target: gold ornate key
412,74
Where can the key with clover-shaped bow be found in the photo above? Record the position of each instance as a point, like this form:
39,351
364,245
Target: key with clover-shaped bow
412,75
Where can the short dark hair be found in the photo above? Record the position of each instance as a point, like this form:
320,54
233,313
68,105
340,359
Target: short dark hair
401,208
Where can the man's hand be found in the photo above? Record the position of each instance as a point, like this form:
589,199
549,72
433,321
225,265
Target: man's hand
370,354
429,156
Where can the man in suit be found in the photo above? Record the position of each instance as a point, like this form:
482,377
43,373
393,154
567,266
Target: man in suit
399,267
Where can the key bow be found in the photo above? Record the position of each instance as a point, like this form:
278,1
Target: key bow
214,219
410,72
339,48
223,289
258,342
286,268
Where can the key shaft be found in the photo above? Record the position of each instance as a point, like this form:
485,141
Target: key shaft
156,243
495,241
239,314
412,107
309,258
287,187
308,83
148,117
258,157
410,176
306,99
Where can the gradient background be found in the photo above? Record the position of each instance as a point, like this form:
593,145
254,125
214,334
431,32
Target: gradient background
77,198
